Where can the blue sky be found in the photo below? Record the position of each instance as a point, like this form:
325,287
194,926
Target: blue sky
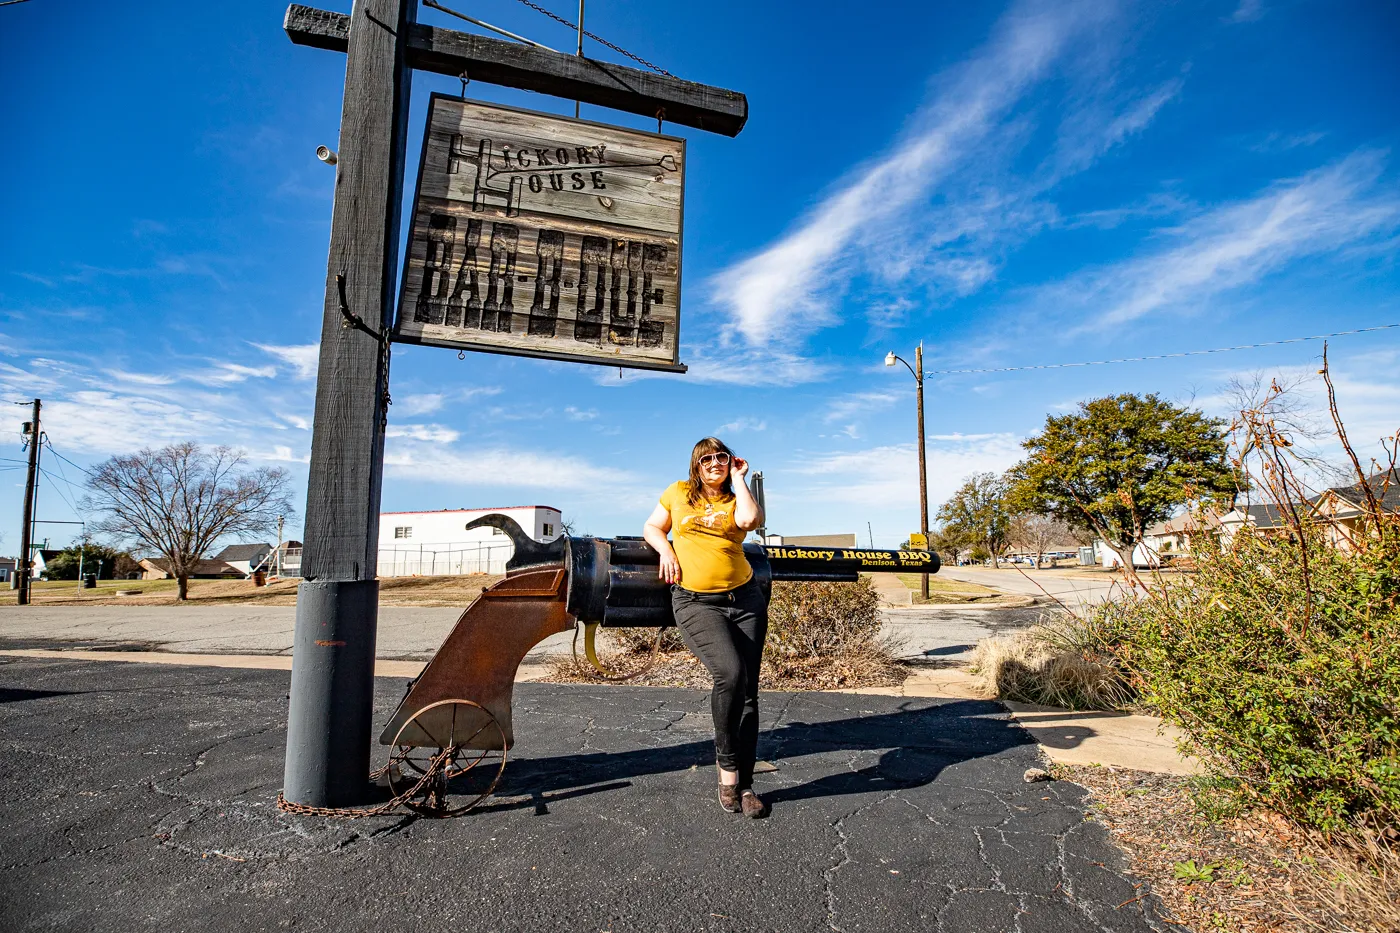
1011,184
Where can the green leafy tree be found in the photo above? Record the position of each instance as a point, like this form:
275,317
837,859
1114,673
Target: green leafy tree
89,557
1120,464
950,543
978,512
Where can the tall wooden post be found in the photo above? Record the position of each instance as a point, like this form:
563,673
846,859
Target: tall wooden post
923,470
328,723
24,565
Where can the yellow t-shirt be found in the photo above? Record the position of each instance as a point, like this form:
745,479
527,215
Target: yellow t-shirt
709,546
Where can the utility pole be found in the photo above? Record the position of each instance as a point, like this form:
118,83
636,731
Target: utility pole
26,536
332,689
917,371
923,471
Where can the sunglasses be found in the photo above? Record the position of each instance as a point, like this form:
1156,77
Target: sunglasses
720,459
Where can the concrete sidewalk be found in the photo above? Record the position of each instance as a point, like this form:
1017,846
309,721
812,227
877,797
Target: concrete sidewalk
1072,737
405,632
140,797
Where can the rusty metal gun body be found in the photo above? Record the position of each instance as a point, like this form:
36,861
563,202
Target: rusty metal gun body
550,588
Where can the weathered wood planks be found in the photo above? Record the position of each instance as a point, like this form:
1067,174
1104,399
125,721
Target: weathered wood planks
347,442
573,77
541,235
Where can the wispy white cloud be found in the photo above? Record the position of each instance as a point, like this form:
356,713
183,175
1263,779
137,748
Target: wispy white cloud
143,379
742,425
1326,210
883,217
858,404
421,404
879,477
743,366
1282,142
434,433
224,373
1247,11
497,467
303,357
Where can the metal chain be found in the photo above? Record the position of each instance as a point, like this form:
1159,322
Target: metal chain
599,39
434,766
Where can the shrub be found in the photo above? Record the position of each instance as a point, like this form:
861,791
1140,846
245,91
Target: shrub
828,635
1284,674
1062,661
820,635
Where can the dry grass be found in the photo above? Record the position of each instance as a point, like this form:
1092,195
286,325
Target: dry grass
677,667
1054,663
946,592
821,636
447,591
1216,868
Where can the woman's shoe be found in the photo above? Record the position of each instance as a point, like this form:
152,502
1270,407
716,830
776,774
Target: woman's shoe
753,806
729,798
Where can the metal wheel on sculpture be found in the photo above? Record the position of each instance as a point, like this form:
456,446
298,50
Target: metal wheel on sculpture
450,739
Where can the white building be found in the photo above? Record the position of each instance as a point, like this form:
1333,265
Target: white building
432,543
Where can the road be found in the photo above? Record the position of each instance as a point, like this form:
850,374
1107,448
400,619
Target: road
1075,589
142,798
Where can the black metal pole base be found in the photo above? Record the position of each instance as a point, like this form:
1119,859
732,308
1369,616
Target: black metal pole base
332,698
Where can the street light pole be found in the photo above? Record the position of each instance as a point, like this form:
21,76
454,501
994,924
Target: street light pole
923,472
917,371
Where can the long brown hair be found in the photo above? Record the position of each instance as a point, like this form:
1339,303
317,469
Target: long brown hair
707,445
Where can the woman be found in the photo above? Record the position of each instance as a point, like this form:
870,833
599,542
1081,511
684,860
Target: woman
720,609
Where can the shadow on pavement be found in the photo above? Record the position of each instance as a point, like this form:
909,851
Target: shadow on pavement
917,742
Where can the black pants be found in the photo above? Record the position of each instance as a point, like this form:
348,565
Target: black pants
726,631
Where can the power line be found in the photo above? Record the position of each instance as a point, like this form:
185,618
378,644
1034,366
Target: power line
49,444
599,39
59,489
1160,356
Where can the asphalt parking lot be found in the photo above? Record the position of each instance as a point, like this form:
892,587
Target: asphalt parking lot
141,797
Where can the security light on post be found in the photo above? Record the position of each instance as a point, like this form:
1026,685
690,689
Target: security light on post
917,371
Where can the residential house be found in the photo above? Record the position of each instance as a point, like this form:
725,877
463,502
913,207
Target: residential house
1164,541
1264,517
244,557
42,557
158,568
1344,508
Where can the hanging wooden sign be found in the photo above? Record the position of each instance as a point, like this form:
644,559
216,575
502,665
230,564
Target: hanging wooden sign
545,236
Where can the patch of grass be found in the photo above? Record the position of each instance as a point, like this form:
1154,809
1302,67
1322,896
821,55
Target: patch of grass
944,591
443,591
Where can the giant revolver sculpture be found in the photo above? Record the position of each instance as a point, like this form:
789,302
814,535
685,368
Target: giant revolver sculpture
458,710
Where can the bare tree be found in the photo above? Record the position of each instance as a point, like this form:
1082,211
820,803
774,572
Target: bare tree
1037,533
180,500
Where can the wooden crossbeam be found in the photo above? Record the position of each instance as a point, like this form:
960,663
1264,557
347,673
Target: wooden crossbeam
572,77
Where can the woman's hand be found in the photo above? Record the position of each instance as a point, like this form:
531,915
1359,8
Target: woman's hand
670,569
738,466
655,534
